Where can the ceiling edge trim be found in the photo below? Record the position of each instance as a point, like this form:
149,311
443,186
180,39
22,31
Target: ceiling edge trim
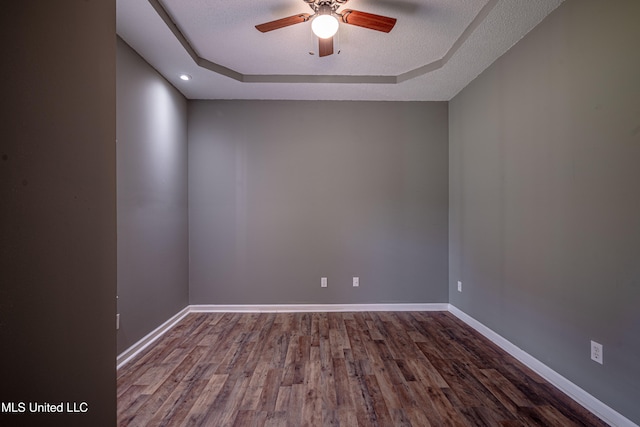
305,78
310,78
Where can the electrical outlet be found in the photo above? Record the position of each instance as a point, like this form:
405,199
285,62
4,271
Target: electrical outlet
356,282
323,282
459,286
596,352
118,321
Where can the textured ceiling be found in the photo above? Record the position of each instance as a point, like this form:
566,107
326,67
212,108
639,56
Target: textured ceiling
436,48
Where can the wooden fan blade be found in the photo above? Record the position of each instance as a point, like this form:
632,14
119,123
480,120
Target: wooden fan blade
284,22
325,48
368,20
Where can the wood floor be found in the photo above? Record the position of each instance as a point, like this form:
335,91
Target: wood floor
347,369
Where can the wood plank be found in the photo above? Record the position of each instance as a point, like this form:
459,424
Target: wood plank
381,411
224,409
327,376
179,403
439,408
270,390
502,389
206,398
282,402
343,394
312,405
276,419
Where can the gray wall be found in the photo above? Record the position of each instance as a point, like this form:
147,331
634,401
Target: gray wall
153,263
544,197
282,193
58,210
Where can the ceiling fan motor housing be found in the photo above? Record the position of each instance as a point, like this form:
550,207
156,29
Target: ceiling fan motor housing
325,7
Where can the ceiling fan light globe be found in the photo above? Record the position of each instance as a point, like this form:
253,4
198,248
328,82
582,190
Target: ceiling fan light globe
324,26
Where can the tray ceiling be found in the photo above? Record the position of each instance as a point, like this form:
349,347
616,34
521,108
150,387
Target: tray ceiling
436,48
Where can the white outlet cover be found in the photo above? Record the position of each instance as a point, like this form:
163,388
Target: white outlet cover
323,282
459,286
356,282
596,352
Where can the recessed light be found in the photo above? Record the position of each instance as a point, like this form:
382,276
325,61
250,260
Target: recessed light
185,77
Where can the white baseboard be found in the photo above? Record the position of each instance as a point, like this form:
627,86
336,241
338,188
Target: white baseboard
143,343
607,414
311,308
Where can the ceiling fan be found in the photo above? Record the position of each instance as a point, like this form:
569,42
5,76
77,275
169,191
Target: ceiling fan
324,21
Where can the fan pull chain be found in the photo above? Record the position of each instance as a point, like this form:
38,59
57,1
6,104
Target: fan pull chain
313,42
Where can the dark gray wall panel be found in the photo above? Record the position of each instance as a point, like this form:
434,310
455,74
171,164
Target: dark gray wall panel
58,211
284,193
153,272
544,206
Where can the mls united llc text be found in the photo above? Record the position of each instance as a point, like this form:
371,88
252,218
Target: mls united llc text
45,407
